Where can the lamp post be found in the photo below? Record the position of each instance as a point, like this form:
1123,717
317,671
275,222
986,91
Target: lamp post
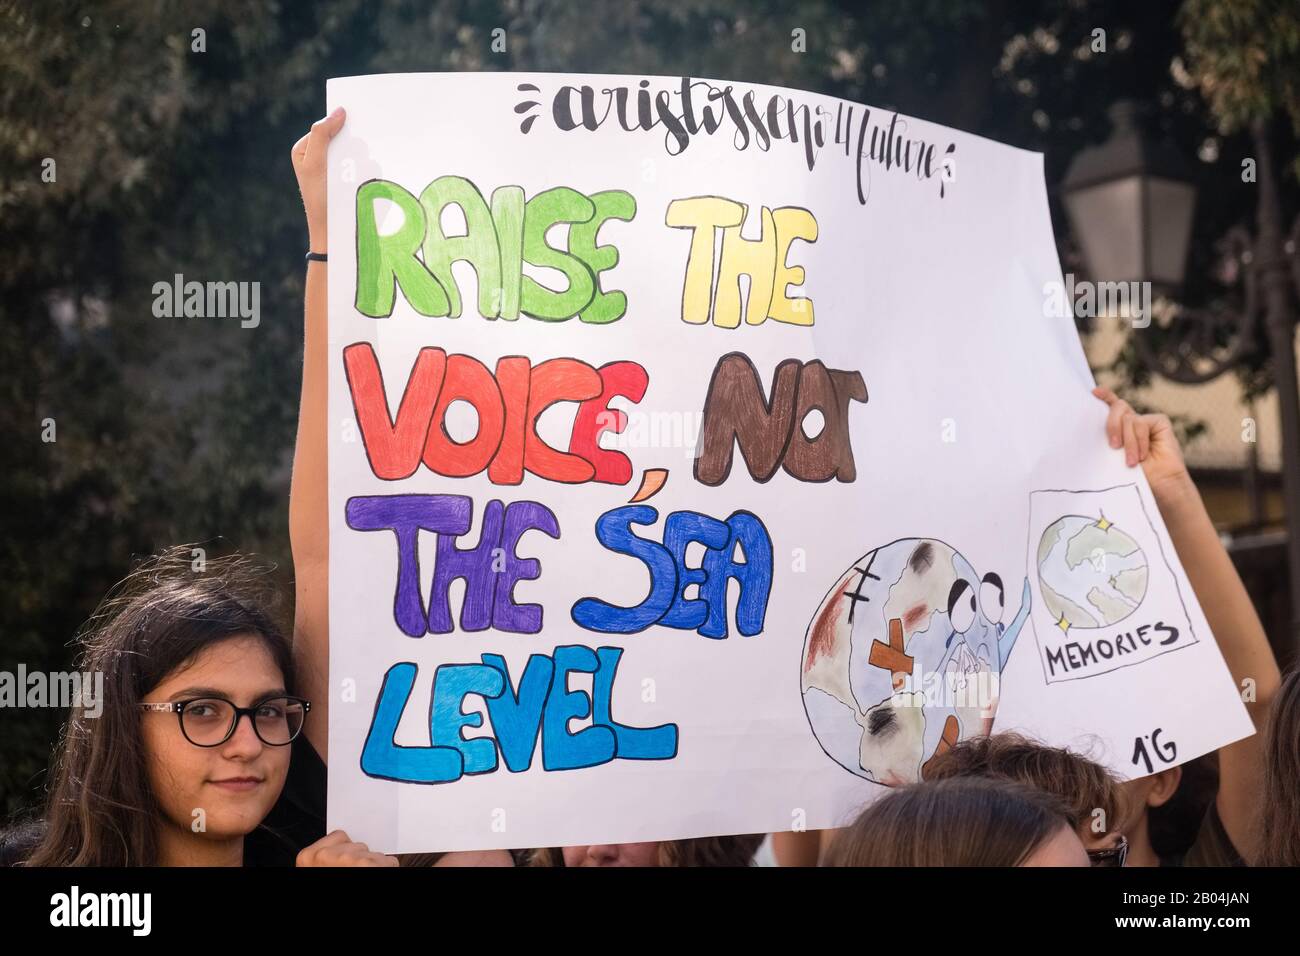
1130,205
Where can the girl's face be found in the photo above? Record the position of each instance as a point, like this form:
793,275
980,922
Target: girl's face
225,791
613,854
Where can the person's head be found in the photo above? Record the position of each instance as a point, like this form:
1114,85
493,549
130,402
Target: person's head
704,851
1089,791
1280,818
170,635
1141,796
963,821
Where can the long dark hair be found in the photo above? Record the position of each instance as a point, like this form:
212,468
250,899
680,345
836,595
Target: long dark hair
1280,817
963,821
101,810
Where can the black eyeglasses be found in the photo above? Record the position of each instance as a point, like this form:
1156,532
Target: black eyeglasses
211,721
1111,855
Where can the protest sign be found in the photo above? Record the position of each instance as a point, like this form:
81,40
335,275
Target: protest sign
703,457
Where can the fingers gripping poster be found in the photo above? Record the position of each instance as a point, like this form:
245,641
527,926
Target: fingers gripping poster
703,460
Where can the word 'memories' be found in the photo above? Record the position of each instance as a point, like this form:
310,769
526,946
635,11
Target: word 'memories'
500,237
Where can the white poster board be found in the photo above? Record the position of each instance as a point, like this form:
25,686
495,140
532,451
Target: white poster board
704,456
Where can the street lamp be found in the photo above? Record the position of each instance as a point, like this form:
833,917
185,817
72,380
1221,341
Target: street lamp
1130,206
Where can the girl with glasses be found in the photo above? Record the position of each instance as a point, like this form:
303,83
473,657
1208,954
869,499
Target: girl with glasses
192,747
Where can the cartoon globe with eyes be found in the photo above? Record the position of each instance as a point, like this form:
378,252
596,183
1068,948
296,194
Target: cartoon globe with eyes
902,658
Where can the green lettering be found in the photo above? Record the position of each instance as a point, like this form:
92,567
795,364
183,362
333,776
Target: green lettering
385,262
478,246
544,210
611,204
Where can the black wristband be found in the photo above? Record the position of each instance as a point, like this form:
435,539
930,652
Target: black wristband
317,257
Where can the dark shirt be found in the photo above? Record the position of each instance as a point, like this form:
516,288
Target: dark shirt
1212,846
298,818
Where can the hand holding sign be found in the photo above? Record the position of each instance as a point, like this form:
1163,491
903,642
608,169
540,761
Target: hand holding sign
309,164
1148,440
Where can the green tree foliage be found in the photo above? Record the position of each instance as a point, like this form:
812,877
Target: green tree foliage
1245,57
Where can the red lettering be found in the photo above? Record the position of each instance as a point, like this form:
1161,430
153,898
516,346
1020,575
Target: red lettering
558,380
393,448
467,379
595,417
508,404
512,379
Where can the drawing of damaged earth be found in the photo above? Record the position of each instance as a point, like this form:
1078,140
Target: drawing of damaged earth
911,615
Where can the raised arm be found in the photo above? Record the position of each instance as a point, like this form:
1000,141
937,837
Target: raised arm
308,491
309,509
1150,440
